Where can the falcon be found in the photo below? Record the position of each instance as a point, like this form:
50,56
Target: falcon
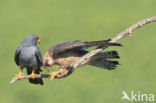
66,53
28,55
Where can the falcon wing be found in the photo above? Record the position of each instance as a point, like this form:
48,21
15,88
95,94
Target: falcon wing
16,56
60,48
38,56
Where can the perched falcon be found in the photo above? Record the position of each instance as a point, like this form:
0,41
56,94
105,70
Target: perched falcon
28,55
65,53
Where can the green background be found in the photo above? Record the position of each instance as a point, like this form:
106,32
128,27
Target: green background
56,21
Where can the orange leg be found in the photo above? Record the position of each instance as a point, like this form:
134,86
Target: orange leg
20,74
32,75
55,74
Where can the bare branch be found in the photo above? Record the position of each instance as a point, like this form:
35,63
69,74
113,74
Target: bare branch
28,77
84,60
132,28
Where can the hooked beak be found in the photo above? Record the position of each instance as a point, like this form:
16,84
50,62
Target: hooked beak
38,41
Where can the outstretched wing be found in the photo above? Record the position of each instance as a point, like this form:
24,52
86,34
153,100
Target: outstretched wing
38,56
60,48
16,56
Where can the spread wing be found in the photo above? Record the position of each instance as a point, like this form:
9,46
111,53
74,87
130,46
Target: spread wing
16,56
38,56
60,48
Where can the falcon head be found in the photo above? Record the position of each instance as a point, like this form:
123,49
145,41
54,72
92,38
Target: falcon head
47,61
31,40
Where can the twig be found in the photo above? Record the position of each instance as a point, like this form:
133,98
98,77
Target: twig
132,28
37,76
83,60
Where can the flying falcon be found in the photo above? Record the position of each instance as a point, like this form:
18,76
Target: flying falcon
28,55
65,53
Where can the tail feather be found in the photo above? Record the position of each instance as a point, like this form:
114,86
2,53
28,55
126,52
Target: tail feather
35,80
109,55
103,63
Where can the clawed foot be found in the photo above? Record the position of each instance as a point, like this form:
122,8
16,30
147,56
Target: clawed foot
19,75
53,75
33,75
56,74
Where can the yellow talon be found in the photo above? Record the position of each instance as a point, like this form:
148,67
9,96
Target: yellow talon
52,77
32,75
19,75
53,74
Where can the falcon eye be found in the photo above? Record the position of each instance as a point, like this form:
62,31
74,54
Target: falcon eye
36,39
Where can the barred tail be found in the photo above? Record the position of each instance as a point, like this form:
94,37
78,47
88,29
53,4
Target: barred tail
109,55
103,63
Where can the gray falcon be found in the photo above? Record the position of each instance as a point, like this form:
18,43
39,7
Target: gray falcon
28,55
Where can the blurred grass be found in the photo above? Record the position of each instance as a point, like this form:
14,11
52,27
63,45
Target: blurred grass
56,21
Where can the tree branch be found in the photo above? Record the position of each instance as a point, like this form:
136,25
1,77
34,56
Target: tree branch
83,60
132,28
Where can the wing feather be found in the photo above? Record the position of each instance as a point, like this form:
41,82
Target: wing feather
16,56
60,48
38,56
